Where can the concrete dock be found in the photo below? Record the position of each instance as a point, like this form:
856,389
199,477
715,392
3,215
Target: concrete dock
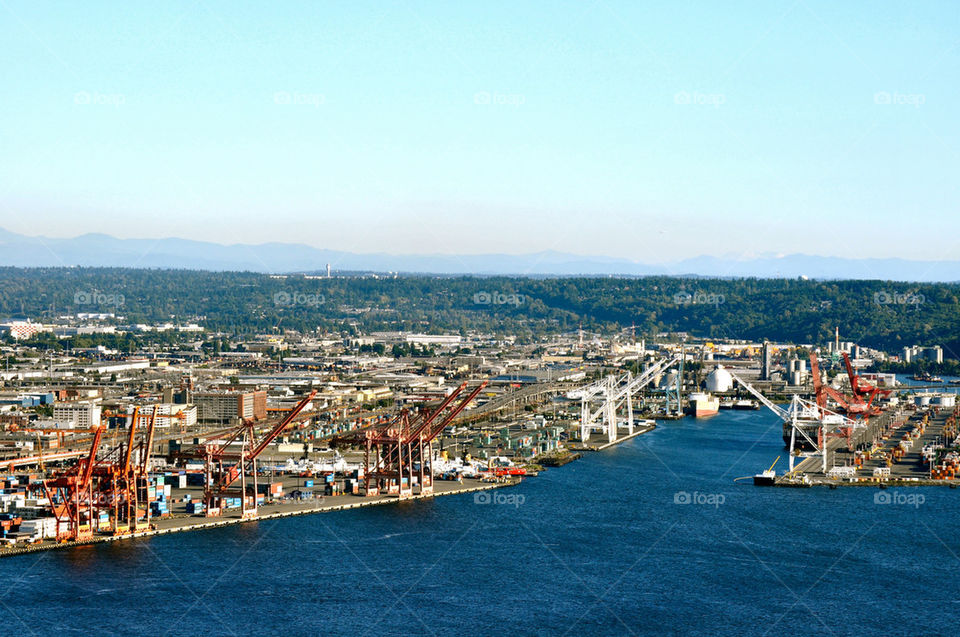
179,521
887,432
599,442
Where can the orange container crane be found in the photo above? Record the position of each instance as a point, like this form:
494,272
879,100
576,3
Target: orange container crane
396,452
71,496
859,405
113,483
220,479
862,389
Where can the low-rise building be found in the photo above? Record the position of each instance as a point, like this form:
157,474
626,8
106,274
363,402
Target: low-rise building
78,414
230,406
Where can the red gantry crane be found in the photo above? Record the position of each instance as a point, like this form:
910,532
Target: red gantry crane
857,406
853,405
224,466
71,496
398,451
113,482
863,390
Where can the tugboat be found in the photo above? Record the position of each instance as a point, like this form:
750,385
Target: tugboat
766,478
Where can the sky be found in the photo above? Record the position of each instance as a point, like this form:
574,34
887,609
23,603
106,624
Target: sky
653,131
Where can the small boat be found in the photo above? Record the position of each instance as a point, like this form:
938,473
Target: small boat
766,478
746,403
728,403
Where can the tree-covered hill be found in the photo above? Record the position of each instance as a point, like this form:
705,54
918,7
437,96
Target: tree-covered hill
887,315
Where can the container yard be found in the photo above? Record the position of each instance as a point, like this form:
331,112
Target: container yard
179,511
915,446
117,492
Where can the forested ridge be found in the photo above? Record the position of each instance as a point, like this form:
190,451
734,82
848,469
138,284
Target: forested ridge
886,315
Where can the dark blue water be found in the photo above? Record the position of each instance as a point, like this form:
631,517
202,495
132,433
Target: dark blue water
597,547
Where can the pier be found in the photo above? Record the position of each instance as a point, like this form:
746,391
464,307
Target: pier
878,457
182,522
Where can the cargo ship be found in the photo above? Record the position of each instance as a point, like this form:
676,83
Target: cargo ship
702,405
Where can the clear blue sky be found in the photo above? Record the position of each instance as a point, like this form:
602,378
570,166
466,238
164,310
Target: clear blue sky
652,131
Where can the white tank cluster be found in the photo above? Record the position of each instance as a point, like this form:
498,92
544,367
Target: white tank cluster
946,400
719,380
931,399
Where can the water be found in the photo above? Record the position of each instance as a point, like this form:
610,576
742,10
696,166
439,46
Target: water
597,547
907,382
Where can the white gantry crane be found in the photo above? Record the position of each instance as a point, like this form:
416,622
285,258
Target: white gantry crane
809,423
613,393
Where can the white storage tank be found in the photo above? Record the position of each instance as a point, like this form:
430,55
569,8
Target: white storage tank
921,400
719,380
946,400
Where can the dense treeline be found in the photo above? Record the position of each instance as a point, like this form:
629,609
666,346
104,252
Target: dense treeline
880,314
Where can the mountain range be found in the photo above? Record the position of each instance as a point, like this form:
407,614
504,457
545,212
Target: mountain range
101,250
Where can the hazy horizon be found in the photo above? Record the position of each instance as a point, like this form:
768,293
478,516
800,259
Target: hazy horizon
649,133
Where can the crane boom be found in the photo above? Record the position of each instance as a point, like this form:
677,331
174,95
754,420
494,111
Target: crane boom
276,431
769,404
854,379
91,459
463,405
148,442
436,412
128,453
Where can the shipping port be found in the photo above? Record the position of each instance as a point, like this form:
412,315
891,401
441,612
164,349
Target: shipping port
184,446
